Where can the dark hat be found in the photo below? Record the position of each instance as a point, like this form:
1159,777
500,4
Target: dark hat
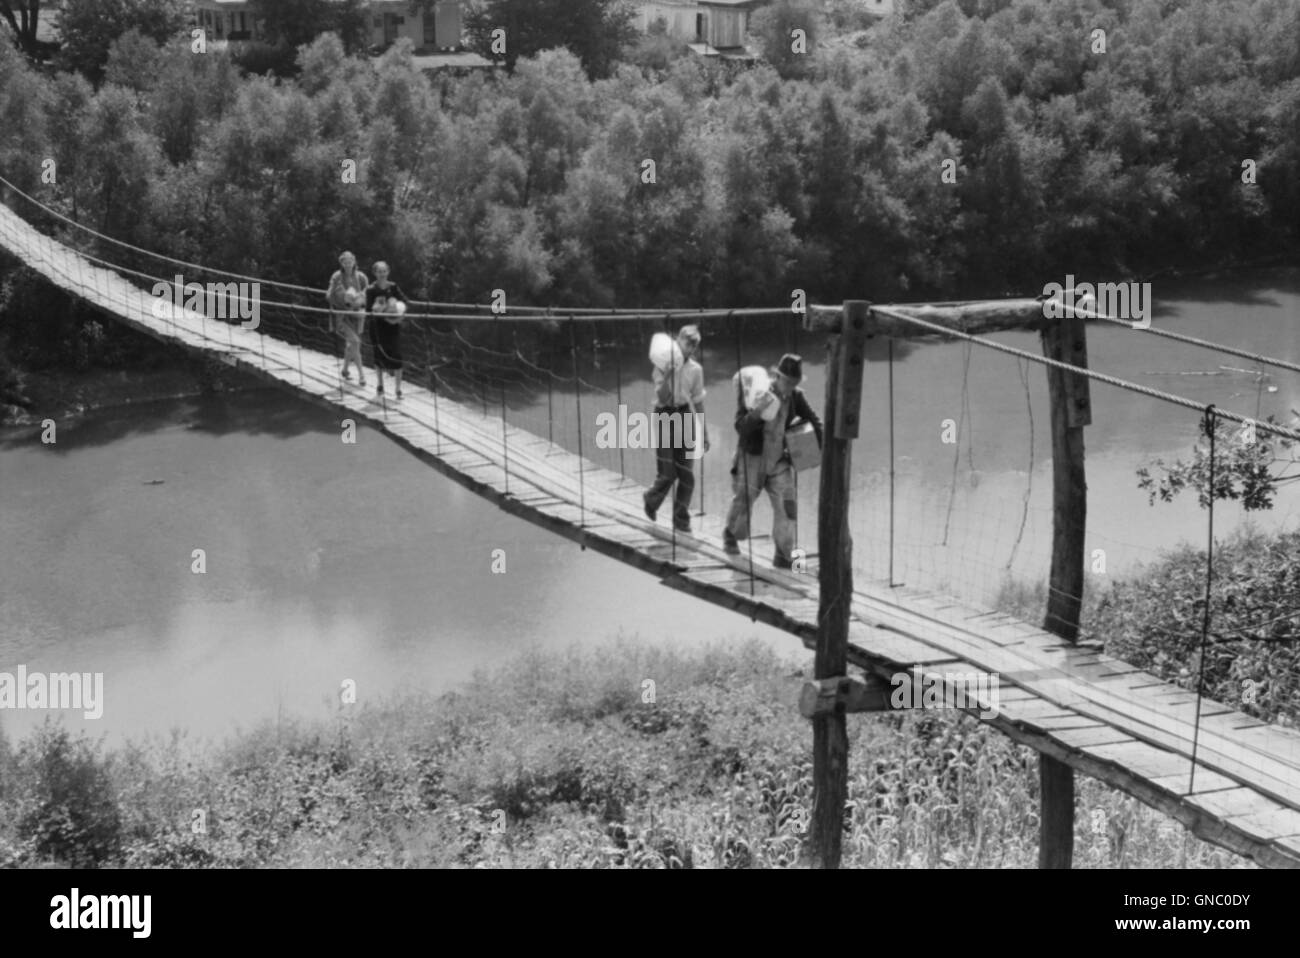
791,367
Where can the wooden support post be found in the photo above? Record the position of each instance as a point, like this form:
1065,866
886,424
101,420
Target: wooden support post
835,548
1064,340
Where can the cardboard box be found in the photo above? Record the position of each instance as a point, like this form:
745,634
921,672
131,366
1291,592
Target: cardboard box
801,441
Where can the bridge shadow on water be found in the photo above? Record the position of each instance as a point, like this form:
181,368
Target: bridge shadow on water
257,411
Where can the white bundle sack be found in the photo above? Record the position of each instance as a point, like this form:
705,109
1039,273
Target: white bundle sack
756,384
665,351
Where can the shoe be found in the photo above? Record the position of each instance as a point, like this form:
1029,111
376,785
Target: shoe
347,376
682,528
650,513
362,382
730,546
399,395
781,563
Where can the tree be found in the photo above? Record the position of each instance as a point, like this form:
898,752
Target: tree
89,27
24,120
774,28
292,23
118,156
133,61
23,19
594,30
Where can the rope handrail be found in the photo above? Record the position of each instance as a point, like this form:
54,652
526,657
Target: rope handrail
458,317
1102,317
1090,373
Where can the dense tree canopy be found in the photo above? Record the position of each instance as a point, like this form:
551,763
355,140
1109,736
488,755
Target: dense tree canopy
88,28
976,148
595,31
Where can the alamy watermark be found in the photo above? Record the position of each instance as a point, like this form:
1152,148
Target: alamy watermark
1126,301
242,301
53,690
656,430
945,690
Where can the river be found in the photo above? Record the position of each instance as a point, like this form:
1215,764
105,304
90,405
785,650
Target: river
328,561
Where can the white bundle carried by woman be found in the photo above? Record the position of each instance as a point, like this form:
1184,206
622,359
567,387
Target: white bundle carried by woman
756,384
664,352
394,311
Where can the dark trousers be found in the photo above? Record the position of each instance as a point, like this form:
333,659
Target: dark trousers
673,467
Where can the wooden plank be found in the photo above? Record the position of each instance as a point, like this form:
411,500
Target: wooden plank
1070,720
1207,782
1145,759
1083,737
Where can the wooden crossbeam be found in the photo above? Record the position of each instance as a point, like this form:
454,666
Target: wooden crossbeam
973,318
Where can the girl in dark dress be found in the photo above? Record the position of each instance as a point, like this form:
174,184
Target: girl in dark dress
386,304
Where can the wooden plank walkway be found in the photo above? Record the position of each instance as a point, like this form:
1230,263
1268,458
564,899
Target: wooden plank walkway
1095,713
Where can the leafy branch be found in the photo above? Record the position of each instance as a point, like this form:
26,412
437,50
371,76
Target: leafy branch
1249,466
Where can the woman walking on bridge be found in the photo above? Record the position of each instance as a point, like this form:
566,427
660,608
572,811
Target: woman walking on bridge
346,297
386,303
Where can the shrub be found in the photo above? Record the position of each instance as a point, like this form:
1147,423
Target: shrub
71,816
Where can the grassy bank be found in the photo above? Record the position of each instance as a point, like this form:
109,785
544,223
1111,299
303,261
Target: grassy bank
556,761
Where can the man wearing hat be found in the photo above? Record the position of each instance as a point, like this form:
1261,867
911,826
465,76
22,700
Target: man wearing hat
679,393
762,461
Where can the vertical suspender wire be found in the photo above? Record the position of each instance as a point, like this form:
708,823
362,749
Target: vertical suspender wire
1211,424
672,451
550,401
699,440
433,388
618,373
891,463
383,397
794,472
577,392
505,443
742,454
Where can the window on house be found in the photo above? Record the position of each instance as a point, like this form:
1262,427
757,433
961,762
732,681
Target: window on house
699,28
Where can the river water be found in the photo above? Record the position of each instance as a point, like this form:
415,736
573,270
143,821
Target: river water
328,561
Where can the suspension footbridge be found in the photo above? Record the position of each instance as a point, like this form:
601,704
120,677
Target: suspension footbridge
1071,703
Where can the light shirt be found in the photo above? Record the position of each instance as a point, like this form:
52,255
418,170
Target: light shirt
687,383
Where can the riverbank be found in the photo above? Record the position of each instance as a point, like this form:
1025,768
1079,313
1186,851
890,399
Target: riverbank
569,759
59,360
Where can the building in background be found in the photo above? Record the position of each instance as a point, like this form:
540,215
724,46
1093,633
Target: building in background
432,31
708,27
